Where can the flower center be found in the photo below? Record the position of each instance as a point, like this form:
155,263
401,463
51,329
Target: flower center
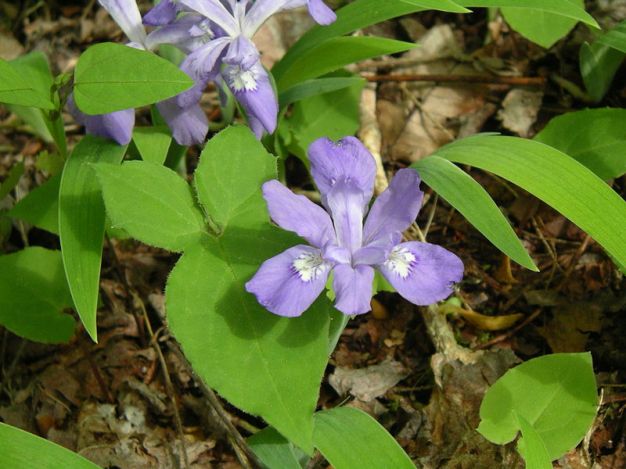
309,266
241,80
400,261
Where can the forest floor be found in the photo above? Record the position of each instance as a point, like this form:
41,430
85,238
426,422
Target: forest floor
116,403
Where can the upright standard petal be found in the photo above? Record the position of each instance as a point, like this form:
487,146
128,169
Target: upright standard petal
298,214
259,13
422,273
161,14
396,208
287,284
216,12
320,12
346,159
345,202
353,288
253,90
126,15
189,126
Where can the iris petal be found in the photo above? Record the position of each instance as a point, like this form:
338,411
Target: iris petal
298,214
287,284
126,14
422,273
353,288
346,202
189,126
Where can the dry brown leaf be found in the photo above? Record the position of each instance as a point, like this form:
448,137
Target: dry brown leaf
483,322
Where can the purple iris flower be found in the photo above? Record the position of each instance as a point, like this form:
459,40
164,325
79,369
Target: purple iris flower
189,124
230,57
344,172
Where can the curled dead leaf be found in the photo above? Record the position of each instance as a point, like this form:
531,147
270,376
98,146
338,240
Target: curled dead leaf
483,322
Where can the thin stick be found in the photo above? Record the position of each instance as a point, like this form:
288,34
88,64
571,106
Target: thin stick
511,333
482,79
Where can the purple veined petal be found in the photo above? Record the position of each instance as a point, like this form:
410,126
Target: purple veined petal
242,53
253,90
202,65
126,14
422,273
117,126
161,14
189,126
396,208
336,254
321,13
298,214
370,255
353,288
216,12
178,33
287,284
345,159
259,13
345,203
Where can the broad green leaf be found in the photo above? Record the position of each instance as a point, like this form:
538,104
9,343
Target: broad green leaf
556,394
532,447
333,115
232,168
112,77
152,203
262,363
310,88
349,438
35,118
541,27
81,223
357,15
335,53
33,294
615,38
20,449
40,207
15,173
564,8
275,451
153,143
34,65
14,89
473,202
594,137
598,65
552,176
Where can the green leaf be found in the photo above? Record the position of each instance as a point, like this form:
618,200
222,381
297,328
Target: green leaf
335,53
14,90
152,203
594,137
15,173
275,451
532,447
20,449
598,66
264,364
112,77
357,15
349,438
564,8
232,167
40,207
556,394
558,180
316,87
35,118
541,27
333,115
153,143
468,197
81,223
34,65
33,294
615,38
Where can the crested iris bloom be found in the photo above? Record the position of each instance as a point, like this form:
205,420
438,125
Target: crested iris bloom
189,124
229,56
340,241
